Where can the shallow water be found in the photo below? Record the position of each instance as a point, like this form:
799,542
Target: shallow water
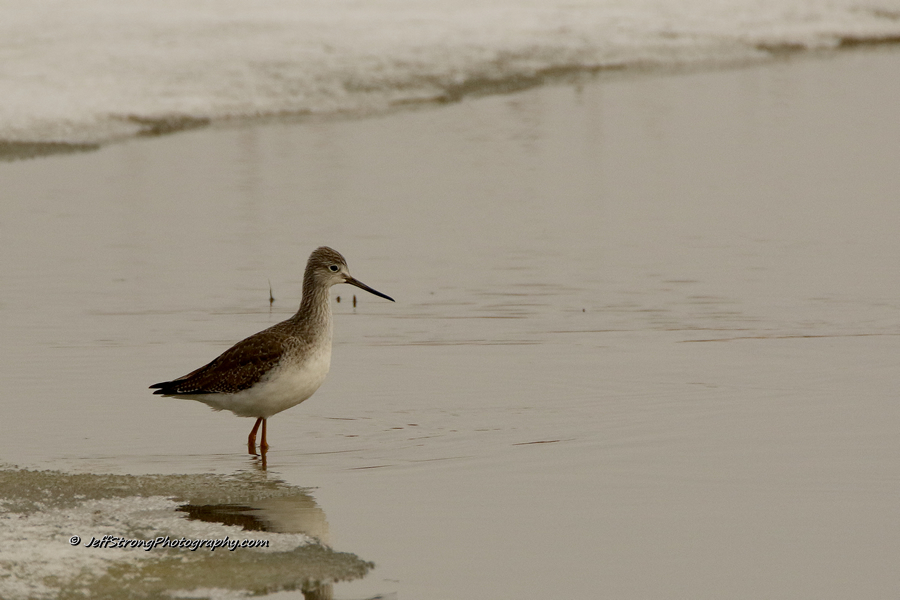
644,342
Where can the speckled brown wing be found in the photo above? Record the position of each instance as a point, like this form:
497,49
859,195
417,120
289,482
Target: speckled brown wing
238,368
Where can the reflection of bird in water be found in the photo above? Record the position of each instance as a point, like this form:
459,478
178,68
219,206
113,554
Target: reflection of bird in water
278,367
295,513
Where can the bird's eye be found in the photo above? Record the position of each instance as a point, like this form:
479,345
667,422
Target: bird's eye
334,268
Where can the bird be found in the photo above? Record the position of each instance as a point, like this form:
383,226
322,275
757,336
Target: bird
278,367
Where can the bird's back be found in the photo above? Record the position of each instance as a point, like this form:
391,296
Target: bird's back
236,369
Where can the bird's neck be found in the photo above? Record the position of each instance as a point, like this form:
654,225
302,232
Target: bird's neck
315,307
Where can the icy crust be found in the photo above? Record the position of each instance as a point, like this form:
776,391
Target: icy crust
43,510
82,73
25,491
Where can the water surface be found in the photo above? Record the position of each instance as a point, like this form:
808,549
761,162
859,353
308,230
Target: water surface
644,342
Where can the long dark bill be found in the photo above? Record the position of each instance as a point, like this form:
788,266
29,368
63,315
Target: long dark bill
363,286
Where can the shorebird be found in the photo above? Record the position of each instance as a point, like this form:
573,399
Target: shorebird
278,367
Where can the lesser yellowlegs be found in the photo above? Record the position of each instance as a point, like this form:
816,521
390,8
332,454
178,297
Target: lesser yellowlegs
278,367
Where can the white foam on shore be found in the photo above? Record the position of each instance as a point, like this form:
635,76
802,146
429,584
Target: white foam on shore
38,561
149,547
97,70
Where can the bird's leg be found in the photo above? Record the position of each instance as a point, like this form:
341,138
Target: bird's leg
251,439
263,445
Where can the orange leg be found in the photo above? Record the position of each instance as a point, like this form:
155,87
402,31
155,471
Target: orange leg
251,439
263,445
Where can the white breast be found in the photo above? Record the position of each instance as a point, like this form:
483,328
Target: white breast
287,385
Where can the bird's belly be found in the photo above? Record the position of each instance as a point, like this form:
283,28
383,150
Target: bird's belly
286,386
